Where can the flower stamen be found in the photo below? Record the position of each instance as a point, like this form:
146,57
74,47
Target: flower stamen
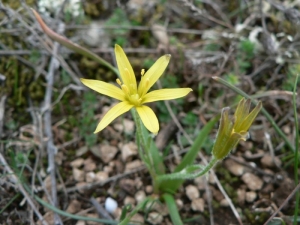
125,89
119,82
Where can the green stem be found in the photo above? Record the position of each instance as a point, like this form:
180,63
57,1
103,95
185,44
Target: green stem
63,213
171,205
296,151
75,47
267,115
183,174
10,201
146,155
136,209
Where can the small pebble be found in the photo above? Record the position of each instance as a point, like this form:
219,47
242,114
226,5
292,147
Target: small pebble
250,196
78,174
224,202
77,162
101,176
192,192
234,167
90,177
110,205
198,204
140,196
155,218
252,181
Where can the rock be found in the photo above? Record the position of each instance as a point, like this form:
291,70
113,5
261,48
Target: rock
138,183
160,34
247,145
81,151
129,150
140,196
77,162
74,207
198,204
128,185
286,129
78,174
179,203
89,165
211,178
117,213
101,176
138,219
48,218
129,200
216,194
234,167
133,165
110,205
149,189
192,192
90,177
80,222
224,202
161,208
126,125
268,161
253,182
250,196
241,195
155,218
200,181
257,155
105,152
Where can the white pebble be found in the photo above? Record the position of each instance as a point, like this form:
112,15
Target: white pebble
110,205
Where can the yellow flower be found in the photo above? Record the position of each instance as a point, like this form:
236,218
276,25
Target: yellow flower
231,131
132,95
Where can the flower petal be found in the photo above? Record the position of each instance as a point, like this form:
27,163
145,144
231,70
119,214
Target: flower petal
113,113
153,74
165,94
241,112
224,132
104,88
125,68
251,117
149,118
230,144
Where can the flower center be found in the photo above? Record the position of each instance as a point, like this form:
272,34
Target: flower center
131,94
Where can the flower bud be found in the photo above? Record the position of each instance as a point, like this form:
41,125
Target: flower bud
232,130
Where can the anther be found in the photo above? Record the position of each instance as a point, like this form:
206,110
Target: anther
147,82
127,72
119,82
143,72
125,89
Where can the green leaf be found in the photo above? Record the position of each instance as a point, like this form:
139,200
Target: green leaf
171,205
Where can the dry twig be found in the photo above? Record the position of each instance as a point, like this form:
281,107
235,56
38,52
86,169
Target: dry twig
51,149
11,175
